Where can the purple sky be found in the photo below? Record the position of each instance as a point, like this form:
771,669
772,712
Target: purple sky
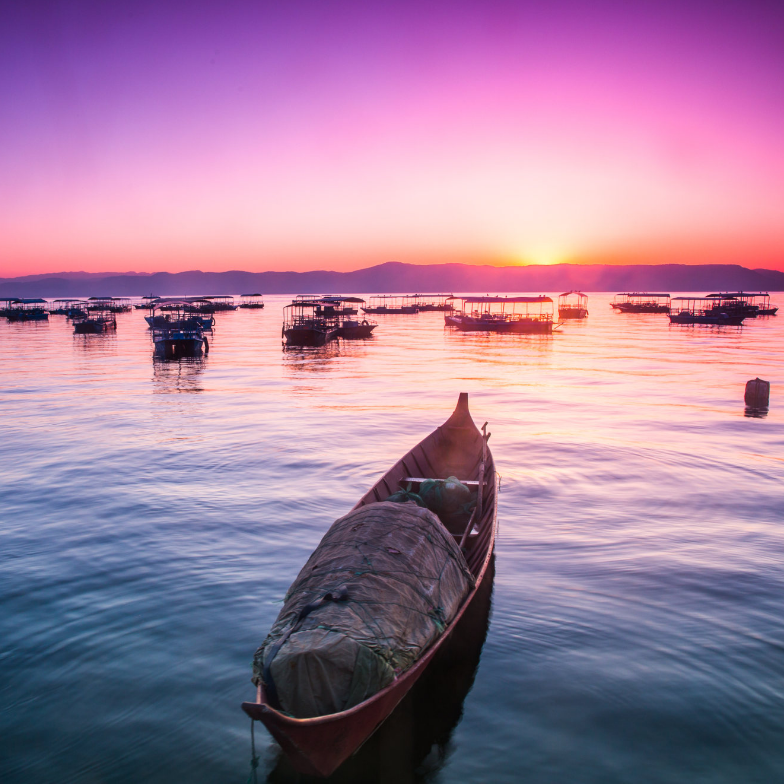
303,135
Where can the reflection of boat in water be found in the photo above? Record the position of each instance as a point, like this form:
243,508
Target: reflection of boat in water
94,322
641,302
181,376
421,726
319,745
572,305
522,315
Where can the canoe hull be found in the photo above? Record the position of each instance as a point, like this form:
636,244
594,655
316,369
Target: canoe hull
319,745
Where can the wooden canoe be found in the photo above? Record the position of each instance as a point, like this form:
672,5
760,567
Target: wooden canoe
317,746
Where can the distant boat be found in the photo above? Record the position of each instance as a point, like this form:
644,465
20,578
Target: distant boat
704,310
391,305
94,322
182,335
318,745
146,302
641,302
349,327
433,302
523,315
62,307
217,302
310,323
113,304
251,301
27,310
572,305
182,313
750,304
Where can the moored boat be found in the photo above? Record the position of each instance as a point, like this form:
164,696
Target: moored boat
704,310
112,304
433,302
61,307
350,327
572,305
391,305
182,335
750,304
318,745
27,310
641,302
176,313
309,323
251,301
94,322
217,303
522,315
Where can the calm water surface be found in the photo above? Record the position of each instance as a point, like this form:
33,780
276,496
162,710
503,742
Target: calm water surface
153,514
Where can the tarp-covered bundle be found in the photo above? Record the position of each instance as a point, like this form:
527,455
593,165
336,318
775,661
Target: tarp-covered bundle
380,588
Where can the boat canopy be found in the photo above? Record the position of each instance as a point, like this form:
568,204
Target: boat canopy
640,294
250,295
330,298
578,293
27,301
540,298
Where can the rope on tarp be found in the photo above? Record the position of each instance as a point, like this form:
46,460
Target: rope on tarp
254,760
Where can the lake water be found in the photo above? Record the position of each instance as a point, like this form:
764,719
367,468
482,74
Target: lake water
153,514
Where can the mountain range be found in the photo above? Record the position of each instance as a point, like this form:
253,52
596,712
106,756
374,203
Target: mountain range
398,277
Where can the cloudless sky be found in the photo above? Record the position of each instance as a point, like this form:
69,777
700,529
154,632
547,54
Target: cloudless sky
309,135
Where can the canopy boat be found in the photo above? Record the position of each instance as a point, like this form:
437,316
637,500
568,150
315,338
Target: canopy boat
525,315
318,745
349,327
433,302
182,335
251,301
344,306
61,307
178,313
310,323
94,322
216,303
391,304
27,310
112,304
146,302
751,304
641,302
572,305
704,310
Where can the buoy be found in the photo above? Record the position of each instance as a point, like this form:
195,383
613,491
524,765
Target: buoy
757,393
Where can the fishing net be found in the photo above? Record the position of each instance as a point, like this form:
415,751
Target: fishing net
448,498
380,588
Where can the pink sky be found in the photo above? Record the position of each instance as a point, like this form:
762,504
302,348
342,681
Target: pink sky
308,135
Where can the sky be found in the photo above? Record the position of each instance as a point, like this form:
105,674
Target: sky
299,135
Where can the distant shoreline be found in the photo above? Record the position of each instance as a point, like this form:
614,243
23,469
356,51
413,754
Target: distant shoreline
397,277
